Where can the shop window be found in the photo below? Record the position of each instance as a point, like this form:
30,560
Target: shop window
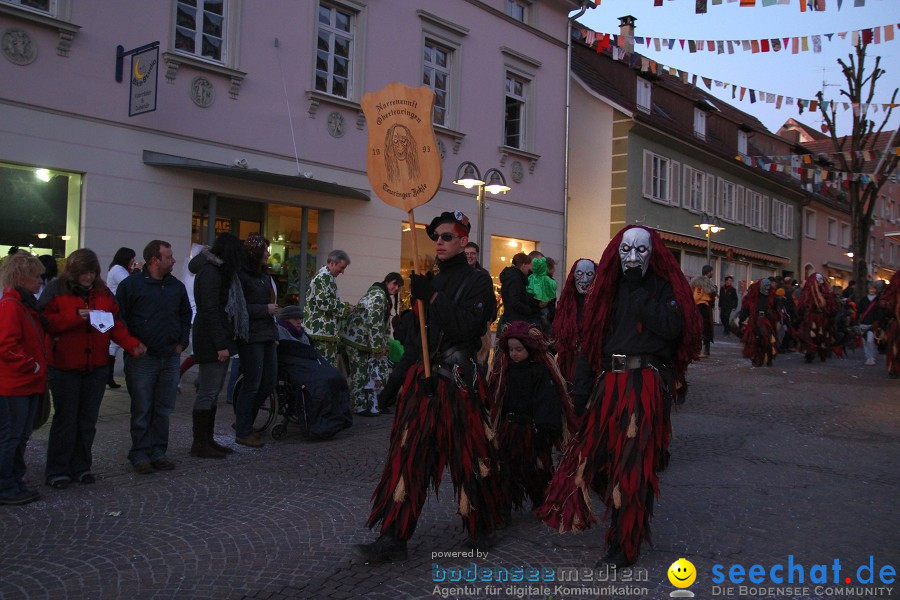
40,210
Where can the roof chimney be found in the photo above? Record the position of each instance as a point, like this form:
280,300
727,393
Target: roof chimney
626,29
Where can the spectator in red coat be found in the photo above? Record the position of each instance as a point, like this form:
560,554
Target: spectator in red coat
23,371
81,315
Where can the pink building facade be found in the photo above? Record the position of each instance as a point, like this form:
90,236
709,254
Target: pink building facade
258,125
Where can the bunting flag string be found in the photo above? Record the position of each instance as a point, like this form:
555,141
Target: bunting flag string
811,5
816,174
868,155
792,44
617,49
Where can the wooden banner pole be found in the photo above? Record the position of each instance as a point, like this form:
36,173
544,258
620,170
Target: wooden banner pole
426,358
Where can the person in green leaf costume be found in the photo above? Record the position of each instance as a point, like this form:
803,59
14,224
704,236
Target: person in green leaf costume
324,309
365,336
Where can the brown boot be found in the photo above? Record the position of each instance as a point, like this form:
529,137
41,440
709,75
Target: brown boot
211,440
201,448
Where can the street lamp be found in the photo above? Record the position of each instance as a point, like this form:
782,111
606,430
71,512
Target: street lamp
468,175
710,226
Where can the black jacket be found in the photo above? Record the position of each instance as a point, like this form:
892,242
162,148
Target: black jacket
530,393
517,304
728,300
212,330
259,294
156,311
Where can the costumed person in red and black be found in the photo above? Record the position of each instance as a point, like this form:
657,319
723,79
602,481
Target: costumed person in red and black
817,308
890,304
442,421
567,326
642,332
529,392
760,312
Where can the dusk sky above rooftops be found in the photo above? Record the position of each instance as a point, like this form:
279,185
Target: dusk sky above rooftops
782,73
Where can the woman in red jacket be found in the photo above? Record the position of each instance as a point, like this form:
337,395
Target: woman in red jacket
81,315
23,371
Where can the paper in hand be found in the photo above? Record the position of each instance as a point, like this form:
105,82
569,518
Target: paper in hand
101,320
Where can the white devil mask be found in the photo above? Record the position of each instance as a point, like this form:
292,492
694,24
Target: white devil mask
765,285
585,271
820,278
634,251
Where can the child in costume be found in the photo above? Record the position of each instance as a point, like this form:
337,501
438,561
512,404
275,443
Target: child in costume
528,393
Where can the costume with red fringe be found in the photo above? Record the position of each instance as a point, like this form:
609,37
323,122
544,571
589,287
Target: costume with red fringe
567,327
534,412
890,302
626,429
817,308
759,338
444,422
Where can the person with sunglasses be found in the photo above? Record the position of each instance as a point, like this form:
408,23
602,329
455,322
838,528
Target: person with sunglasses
443,419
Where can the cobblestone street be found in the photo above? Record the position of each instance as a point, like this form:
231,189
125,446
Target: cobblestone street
797,459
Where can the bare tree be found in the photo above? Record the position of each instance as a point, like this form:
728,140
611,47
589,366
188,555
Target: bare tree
865,179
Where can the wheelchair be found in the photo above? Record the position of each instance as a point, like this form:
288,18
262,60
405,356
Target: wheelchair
286,405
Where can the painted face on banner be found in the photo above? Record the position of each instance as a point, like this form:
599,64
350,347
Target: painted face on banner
585,270
634,251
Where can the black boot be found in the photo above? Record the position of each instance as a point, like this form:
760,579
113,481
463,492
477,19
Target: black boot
109,378
201,448
386,548
209,434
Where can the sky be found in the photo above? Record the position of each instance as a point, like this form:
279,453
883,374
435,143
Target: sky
791,75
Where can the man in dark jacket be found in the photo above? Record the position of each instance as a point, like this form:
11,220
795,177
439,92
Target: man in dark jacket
155,307
728,301
518,305
442,420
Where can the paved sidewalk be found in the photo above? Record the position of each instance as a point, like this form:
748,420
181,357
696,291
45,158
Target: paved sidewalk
800,460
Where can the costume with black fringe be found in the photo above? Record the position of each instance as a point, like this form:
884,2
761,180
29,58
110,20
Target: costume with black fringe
567,325
759,338
444,422
626,429
817,308
532,408
890,304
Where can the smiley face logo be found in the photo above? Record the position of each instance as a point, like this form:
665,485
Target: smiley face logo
682,573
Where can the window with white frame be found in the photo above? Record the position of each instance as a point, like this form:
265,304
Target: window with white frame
515,115
753,214
334,50
782,219
742,141
643,95
54,8
809,223
660,178
436,75
698,190
832,231
845,235
200,28
727,200
517,9
700,123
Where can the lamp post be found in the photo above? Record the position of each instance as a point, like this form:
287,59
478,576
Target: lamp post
468,175
709,226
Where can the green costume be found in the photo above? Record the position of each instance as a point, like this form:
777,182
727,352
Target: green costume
541,285
365,334
323,314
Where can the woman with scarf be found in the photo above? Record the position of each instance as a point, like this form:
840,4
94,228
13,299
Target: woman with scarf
256,340
221,316
365,337
81,315
23,371
529,392
817,308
